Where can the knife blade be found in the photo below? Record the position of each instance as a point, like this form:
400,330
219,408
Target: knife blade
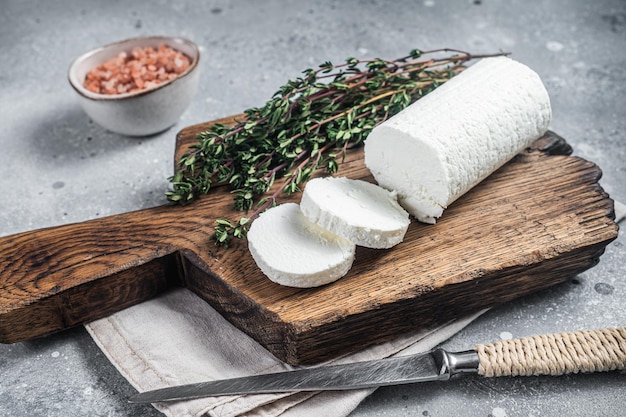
431,366
554,354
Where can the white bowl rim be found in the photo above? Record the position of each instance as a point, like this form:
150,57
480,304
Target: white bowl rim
80,89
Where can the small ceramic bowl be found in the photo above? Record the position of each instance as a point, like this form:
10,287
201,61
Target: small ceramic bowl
145,112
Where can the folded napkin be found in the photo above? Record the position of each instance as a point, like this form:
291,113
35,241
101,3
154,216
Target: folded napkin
178,338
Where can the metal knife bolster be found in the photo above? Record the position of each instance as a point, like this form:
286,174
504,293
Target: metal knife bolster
452,363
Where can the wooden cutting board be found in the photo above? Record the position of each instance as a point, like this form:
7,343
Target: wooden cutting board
536,222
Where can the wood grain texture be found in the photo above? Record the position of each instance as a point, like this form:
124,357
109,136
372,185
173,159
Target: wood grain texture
536,222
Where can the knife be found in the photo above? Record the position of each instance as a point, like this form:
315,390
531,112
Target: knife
552,354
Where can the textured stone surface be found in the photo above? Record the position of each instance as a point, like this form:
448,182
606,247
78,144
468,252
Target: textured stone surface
58,167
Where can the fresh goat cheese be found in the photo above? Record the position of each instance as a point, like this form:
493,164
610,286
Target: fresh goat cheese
359,211
290,250
438,148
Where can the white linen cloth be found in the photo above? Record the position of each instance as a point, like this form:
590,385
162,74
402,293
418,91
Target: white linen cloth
178,338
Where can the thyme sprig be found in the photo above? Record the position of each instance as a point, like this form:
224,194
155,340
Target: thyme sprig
308,124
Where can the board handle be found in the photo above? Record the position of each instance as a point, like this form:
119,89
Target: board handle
58,277
555,354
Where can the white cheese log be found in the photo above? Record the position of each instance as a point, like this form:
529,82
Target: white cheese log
444,144
359,211
292,251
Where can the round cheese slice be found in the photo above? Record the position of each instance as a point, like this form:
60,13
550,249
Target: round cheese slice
444,144
292,251
359,211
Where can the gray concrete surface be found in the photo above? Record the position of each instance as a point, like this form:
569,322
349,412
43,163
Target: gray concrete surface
57,167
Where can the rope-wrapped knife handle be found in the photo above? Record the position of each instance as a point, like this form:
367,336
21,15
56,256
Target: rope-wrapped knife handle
555,354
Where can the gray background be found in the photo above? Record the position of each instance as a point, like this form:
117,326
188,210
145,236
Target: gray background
58,167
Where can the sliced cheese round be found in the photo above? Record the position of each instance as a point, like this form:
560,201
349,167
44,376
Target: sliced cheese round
292,251
444,144
356,210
